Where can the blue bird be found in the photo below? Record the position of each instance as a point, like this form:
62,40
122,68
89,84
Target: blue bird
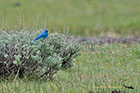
42,36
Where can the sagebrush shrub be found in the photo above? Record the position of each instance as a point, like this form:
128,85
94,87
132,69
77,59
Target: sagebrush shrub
18,55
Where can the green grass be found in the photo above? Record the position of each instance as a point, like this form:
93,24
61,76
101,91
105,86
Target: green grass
110,65
84,17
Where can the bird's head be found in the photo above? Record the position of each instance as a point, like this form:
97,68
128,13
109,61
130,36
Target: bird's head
46,30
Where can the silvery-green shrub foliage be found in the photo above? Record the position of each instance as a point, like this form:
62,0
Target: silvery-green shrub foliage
19,56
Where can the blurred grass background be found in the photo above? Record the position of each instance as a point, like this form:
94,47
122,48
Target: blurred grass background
84,17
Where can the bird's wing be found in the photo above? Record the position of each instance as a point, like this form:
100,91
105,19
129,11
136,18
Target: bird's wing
41,35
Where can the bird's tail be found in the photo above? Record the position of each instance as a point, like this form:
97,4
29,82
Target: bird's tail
33,40
36,39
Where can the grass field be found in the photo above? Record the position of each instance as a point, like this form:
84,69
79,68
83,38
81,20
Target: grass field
100,71
84,17
99,68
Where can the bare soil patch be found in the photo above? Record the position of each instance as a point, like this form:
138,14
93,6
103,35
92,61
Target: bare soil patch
103,40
